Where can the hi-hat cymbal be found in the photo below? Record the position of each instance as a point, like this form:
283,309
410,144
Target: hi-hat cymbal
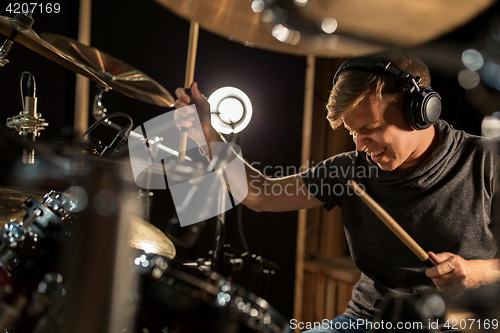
117,74
31,40
364,26
145,236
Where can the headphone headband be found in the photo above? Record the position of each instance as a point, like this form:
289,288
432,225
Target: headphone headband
378,64
422,105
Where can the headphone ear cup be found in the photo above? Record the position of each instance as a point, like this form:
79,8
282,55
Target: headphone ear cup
422,108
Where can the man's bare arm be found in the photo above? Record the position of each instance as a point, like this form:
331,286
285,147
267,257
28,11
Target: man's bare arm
264,194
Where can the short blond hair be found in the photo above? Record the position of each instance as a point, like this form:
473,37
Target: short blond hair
353,85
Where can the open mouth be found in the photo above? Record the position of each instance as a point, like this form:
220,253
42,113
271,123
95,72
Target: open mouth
377,155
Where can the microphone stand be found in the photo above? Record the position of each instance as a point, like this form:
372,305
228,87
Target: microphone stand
220,235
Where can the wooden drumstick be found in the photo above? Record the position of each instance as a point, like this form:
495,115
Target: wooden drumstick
392,225
190,64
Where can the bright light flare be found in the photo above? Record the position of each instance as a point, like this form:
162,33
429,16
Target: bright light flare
258,6
231,110
329,25
490,127
472,59
468,79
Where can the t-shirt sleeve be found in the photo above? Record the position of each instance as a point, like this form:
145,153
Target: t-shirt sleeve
320,180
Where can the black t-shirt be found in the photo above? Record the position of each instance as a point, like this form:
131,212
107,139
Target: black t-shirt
444,204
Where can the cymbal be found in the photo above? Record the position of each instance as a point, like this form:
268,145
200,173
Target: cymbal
364,26
31,40
145,236
11,202
117,74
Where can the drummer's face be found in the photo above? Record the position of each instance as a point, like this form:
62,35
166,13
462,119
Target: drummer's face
378,128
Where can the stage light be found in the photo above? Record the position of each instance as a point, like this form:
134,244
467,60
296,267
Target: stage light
231,110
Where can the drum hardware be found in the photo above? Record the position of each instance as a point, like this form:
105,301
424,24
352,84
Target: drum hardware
233,260
93,145
99,112
262,271
188,299
20,29
12,199
31,295
478,307
26,246
218,261
42,312
118,141
48,295
21,21
424,310
10,313
177,171
222,258
120,138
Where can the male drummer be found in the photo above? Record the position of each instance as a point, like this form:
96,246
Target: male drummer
437,182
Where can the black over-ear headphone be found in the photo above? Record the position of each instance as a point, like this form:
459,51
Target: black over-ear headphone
422,105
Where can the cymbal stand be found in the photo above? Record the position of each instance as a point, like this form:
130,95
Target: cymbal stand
219,260
98,112
22,21
220,234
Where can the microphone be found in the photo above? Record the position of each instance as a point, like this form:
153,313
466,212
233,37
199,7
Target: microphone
28,122
30,105
118,141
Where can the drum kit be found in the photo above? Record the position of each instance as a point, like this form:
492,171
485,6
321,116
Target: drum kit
59,271
53,258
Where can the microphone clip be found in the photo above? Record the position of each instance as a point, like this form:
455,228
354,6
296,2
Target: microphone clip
25,124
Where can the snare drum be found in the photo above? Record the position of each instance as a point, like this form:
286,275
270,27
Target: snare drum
186,299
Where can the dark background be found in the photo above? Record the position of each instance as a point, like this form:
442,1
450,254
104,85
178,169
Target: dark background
151,39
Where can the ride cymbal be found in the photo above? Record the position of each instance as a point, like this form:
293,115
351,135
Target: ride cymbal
364,26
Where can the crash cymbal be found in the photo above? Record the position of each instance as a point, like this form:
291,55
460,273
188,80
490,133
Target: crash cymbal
31,40
145,236
364,26
117,74
11,202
